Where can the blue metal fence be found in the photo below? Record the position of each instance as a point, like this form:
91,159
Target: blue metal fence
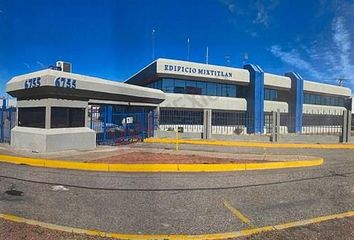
117,127
7,122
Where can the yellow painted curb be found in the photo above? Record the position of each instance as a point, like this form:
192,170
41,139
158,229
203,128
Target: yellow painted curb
217,167
252,144
211,236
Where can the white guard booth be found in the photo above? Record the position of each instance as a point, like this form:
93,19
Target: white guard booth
52,108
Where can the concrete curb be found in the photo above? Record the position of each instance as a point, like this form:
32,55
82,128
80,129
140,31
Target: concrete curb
252,144
217,167
210,236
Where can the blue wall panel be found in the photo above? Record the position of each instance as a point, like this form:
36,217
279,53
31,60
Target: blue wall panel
255,99
296,101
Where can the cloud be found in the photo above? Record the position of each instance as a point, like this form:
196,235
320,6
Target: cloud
327,58
28,66
293,58
262,15
342,41
40,64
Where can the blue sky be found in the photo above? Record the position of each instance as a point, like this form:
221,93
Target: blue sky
113,38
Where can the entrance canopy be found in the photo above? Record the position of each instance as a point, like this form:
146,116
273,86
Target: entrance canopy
62,85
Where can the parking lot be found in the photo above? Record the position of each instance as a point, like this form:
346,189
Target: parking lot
182,203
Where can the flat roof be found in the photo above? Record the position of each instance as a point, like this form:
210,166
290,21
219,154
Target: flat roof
50,83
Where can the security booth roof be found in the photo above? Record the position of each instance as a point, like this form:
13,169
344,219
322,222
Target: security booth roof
62,85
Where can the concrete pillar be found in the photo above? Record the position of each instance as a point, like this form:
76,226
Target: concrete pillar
274,130
296,101
255,99
87,124
48,110
277,124
349,125
207,115
345,127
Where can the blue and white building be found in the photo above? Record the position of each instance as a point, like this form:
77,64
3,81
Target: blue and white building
55,107
192,88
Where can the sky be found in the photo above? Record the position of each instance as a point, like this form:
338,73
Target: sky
114,39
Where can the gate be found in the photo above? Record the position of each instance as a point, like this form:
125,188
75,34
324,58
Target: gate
120,127
7,122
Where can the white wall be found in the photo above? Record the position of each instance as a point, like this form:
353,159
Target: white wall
277,81
275,105
326,88
53,140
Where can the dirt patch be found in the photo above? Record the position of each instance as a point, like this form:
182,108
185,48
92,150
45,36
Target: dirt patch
149,157
21,231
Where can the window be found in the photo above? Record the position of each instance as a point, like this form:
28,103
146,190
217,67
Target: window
211,89
270,94
202,88
170,85
167,85
191,87
180,86
323,100
31,117
62,117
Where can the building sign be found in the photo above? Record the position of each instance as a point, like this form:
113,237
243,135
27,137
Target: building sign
65,82
199,71
33,82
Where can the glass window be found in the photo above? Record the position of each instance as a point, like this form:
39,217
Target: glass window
159,84
179,86
270,94
306,98
62,117
202,88
191,87
167,85
31,117
211,89
231,90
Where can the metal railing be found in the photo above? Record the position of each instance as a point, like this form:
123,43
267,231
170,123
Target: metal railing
114,127
189,120
230,123
7,122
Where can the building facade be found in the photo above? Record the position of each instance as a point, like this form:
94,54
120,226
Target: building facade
191,88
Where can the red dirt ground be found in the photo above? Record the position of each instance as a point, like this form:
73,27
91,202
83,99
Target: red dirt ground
148,157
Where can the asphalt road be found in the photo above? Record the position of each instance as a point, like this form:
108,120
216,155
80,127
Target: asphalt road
188,203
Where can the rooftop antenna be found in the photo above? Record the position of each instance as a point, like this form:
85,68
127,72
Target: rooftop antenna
153,44
228,60
188,49
245,58
207,55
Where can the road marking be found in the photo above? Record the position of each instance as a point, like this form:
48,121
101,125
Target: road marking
217,167
211,236
236,212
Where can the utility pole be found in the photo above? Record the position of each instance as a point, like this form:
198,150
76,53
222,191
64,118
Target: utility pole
228,60
245,58
187,49
207,55
153,44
